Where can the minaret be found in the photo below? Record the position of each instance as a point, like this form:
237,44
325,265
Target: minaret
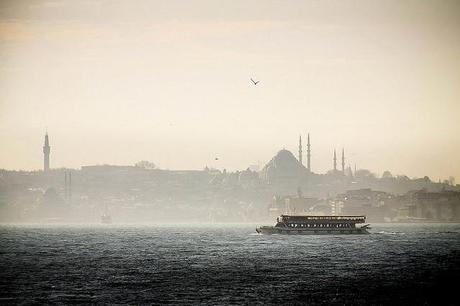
308,153
300,150
46,153
343,160
335,161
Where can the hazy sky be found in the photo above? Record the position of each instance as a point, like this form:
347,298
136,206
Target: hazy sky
121,81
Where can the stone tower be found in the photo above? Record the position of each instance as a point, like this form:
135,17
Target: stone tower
343,161
308,152
46,153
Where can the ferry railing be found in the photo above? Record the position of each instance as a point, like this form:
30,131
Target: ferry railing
326,219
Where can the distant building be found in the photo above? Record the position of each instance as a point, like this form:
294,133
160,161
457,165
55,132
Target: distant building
293,205
364,201
431,206
46,153
284,172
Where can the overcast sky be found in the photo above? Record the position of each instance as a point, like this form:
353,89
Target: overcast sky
121,81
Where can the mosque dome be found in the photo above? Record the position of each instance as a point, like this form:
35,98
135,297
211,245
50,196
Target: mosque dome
283,165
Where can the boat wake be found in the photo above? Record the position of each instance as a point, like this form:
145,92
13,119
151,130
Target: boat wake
390,233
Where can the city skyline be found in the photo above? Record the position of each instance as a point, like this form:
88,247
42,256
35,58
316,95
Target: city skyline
134,82
303,160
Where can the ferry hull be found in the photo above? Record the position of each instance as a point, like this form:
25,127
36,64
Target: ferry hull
271,230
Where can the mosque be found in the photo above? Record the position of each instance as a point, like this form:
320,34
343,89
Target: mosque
287,174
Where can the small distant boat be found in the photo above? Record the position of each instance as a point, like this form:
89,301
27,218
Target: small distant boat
316,225
106,218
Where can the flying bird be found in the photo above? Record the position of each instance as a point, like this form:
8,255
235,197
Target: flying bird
217,158
255,82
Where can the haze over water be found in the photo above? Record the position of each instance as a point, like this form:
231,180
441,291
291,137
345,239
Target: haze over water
227,264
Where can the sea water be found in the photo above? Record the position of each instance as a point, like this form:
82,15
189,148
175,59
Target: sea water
227,264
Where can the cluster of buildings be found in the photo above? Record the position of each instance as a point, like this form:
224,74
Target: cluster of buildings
141,193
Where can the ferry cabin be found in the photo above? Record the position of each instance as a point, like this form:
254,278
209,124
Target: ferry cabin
341,222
